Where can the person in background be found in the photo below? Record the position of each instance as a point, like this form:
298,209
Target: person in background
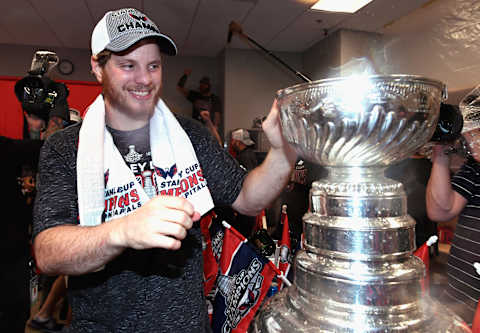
243,145
202,99
120,195
18,191
296,197
44,320
205,115
446,198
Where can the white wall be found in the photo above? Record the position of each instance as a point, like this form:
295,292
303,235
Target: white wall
343,53
361,51
323,57
251,81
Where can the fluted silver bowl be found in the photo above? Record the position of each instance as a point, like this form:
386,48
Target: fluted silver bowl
360,121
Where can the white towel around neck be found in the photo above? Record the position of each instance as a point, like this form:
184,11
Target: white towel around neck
98,155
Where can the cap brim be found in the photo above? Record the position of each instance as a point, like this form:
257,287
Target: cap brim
248,142
123,42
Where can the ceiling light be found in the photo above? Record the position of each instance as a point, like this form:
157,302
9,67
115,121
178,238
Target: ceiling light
342,6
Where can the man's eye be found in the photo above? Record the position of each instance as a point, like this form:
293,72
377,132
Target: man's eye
127,66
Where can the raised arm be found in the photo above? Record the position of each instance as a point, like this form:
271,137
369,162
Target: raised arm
443,203
181,82
264,183
211,127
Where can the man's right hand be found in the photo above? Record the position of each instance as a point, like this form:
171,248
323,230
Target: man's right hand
161,223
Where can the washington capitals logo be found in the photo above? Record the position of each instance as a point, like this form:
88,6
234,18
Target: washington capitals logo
168,172
241,292
139,18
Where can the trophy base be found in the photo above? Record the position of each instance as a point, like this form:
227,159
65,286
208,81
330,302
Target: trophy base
290,311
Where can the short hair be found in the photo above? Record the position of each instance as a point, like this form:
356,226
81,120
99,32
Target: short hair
102,57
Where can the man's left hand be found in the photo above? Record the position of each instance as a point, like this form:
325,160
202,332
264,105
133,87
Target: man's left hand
273,130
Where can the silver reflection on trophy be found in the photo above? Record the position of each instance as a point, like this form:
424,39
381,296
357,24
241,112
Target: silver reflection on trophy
357,272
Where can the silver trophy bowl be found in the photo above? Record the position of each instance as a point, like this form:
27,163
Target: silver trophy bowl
357,272
360,121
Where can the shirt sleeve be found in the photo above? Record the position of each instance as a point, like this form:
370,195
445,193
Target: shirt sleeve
464,182
56,199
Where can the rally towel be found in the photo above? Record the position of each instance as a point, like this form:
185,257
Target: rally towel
99,162
244,278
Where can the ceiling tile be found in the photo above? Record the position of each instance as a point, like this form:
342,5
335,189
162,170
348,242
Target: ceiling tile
25,25
270,17
172,17
210,26
374,16
306,30
72,25
98,8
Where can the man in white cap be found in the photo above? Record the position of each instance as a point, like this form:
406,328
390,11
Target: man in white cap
120,193
242,144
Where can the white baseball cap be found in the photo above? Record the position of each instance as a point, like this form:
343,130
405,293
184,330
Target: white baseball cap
120,29
242,135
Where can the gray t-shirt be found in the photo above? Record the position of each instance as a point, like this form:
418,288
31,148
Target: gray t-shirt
139,291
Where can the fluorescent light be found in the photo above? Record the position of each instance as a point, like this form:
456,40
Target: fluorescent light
343,6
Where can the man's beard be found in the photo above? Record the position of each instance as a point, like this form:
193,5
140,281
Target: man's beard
118,100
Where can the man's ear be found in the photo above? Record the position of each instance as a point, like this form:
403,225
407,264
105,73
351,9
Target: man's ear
97,70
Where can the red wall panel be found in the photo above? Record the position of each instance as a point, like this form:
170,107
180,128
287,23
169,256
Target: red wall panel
82,94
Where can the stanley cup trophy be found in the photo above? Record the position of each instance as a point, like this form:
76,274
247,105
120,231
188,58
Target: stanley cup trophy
357,272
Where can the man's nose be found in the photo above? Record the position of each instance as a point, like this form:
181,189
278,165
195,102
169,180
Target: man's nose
143,76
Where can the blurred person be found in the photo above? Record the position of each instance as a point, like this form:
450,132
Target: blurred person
44,318
296,197
446,198
202,99
243,145
19,169
117,212
208,122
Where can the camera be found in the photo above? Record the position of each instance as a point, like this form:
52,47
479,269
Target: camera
40,95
